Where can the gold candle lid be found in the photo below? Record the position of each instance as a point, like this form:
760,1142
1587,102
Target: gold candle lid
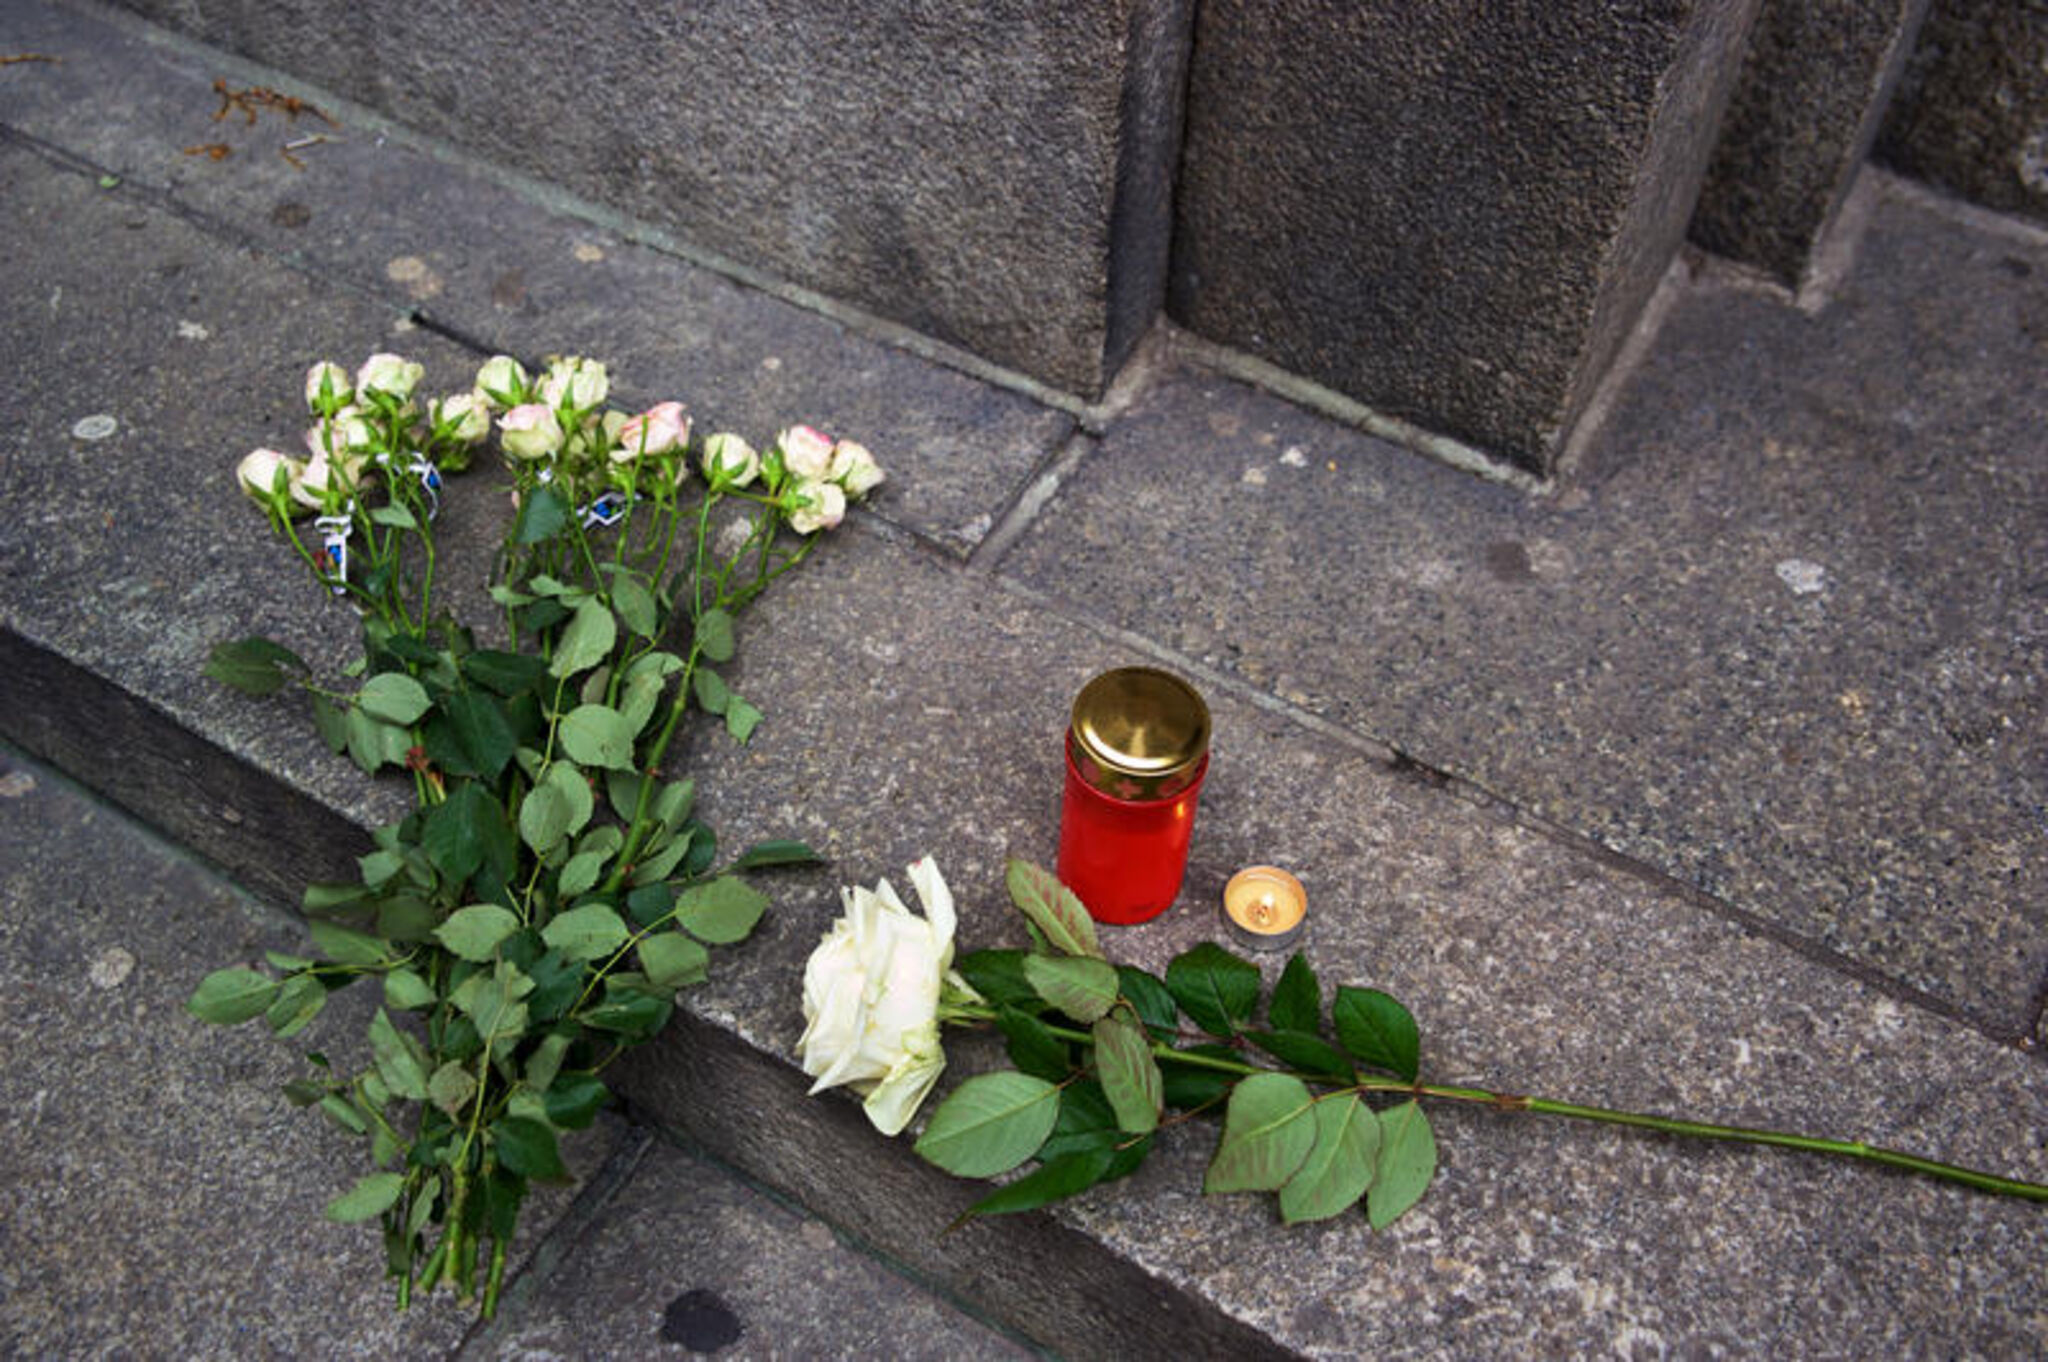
1139,733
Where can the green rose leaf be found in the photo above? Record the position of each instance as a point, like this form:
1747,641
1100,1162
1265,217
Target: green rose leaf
741,719
672,960
1297,1003
597,735
1340,1166
630,1012
1406,1162
373,1194
462,830
575,1099
720,911
254,665
581,874
1378,1031
1150,999
331,722
1268,1130
481,731
714,634
527,1147
407,991
998,975
545,1062
635,605
399,1058
587,933
1033,1047
586,640
299,1000
1305,1053
990,1124
452,1086
1214,987
1054,1180
492,1003
543,514
644,682
1052,908
228,996
393,697
508,674
1130,1076
346,946
710,689
474,932
395,516
1081,986
557,806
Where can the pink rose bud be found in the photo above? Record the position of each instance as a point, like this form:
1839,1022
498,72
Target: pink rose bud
657,430
729,461
530,431
854,469
258,474
393,375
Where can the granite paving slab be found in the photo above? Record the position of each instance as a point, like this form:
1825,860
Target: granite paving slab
159,1197
510,265
686,1260
1532,965
1782,635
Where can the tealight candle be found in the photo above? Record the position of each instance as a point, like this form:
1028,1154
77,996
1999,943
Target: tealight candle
1265,908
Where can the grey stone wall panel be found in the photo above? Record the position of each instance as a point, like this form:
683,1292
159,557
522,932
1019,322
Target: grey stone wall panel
1805,111
1451,211
952,168
1971,113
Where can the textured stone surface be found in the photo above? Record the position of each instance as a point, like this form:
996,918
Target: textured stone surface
1452,213
1814,87
442,240
1972,109
1807,676
162,1199
1530,965
955,170
687,1261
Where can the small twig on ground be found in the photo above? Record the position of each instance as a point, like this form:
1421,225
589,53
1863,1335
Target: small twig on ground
28,56
212,151
258,97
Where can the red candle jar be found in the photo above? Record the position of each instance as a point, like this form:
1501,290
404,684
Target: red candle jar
1137,751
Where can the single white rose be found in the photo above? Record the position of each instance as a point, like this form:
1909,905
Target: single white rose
854,469
818,506
871,997
393,375
657,430
530,431
806,453
503,380
327,388
729,461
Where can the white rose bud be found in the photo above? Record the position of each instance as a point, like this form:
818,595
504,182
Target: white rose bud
530,431
657,430
344,432
392,375
258,474
818,506
854,469
729,461
806,453
327,388
871,997
503,380
575,383
322,481
469,413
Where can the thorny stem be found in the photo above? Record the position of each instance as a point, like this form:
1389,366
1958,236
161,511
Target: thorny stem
1513,1102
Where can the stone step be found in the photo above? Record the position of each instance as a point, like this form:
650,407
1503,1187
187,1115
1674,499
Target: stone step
165,1199
915,678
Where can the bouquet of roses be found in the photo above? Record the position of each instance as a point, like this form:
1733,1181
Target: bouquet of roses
551,890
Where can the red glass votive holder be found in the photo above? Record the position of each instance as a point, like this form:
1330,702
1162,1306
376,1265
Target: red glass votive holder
1137,753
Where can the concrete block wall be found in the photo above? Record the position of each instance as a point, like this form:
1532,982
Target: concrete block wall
1450,211
1814,87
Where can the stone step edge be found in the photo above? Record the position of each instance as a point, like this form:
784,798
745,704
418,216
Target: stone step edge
700,1081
